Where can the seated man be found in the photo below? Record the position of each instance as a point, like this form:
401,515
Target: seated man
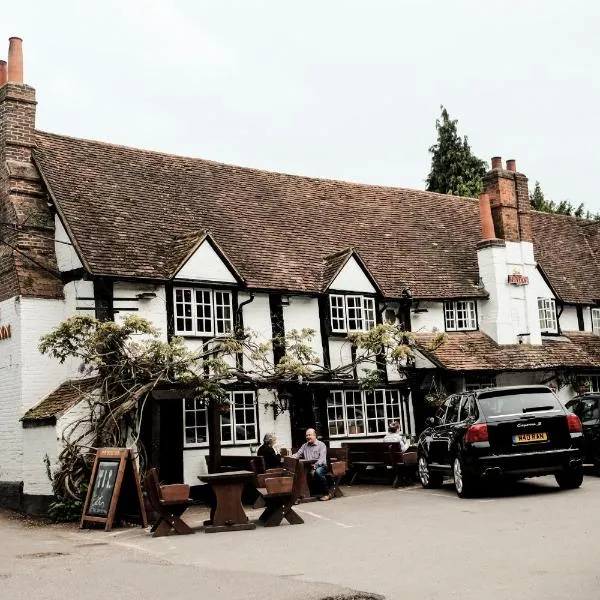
394,435
314,449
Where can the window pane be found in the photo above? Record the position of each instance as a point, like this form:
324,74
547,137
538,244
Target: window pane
184,321
223,312
369,313
449,316
335,414
195,422
596,320
338,313
243,411
204,312
547,313
375,411
354,413
354,311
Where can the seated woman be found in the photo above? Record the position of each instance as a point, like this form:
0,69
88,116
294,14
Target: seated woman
271,458
394,435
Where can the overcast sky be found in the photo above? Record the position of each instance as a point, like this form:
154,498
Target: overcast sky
340,89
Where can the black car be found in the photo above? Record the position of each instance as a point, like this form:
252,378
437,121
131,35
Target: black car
521,431
587,408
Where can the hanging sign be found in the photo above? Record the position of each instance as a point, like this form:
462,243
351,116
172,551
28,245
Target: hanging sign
518,279
114,491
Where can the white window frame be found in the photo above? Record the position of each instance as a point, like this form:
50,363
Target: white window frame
472,386
242,401
351,312
460,315
221,313
547,315
358,410
595,314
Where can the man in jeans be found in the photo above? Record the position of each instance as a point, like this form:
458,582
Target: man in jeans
314,449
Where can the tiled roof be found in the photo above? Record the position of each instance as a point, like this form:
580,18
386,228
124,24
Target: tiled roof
64,397
475,351
124,206
333,265
136,213
564,246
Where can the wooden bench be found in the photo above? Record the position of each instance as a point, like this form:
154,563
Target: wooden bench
169,502
280,494
257,466
338,460
381,457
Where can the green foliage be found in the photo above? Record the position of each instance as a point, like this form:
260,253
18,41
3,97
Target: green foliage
67,509
539,202
454,169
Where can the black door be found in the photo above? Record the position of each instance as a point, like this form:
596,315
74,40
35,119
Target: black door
171,441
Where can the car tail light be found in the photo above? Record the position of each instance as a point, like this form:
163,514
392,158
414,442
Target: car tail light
477,433
574,424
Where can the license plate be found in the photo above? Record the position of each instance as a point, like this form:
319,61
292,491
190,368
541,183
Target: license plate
524,438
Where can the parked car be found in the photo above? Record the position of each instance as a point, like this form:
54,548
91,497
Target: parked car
520,431
587,408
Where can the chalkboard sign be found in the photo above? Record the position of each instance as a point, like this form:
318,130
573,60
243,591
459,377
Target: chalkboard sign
104,486
114,490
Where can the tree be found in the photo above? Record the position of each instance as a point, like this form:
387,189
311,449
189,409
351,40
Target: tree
454,169
130,359
539,202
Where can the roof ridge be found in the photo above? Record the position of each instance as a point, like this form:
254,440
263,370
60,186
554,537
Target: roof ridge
256,169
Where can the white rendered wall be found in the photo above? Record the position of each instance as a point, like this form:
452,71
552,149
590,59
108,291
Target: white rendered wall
352,279
152,309
340,352
11,430
39,442
303,312
205,265
66,255
257,318
427,322
568,319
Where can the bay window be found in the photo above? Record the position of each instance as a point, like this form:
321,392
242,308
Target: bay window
202,312
362,413
351,312
238,426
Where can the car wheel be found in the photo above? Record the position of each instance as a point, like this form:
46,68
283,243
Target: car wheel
428,479
465,484
569,479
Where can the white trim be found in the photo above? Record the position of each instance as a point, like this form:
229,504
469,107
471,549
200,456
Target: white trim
362,307
207,303
595,312
547,315
460,315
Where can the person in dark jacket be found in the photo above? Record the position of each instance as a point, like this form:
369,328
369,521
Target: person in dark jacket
267,451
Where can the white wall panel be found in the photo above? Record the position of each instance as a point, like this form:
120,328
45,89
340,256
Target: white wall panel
303,312
568,319
66,255
352,279
206,265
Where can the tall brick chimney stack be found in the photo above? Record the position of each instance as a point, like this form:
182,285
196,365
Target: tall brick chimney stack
509,200
28,246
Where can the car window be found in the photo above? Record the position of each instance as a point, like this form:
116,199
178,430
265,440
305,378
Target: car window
585,408
452,412
468,408
518,401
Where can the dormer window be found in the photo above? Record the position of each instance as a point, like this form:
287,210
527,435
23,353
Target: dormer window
202,312
351,313
460,315
596,320
547,312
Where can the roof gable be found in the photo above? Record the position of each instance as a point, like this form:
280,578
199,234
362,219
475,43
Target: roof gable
206,262
350,274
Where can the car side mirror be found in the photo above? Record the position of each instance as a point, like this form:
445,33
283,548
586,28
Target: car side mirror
430,421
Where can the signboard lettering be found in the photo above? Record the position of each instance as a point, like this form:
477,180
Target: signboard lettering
104,485
518,279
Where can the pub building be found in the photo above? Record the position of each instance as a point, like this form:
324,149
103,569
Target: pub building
495,293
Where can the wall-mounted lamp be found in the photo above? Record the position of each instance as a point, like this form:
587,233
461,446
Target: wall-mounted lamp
285,300
145,295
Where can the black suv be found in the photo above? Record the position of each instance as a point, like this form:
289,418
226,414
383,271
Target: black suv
587,408
521,431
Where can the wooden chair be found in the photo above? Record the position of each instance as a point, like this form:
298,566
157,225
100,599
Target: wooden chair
257,465
280,494
170,502
338,459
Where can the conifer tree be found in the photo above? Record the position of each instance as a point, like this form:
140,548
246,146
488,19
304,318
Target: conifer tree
454,169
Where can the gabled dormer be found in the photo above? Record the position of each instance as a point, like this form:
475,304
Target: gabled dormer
204,289
351,291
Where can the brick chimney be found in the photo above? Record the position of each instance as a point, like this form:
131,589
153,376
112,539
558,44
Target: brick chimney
28,245
509,200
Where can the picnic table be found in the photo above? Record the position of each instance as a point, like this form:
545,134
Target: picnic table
227,512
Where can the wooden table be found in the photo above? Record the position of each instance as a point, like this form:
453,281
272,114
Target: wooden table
227,512
303,478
